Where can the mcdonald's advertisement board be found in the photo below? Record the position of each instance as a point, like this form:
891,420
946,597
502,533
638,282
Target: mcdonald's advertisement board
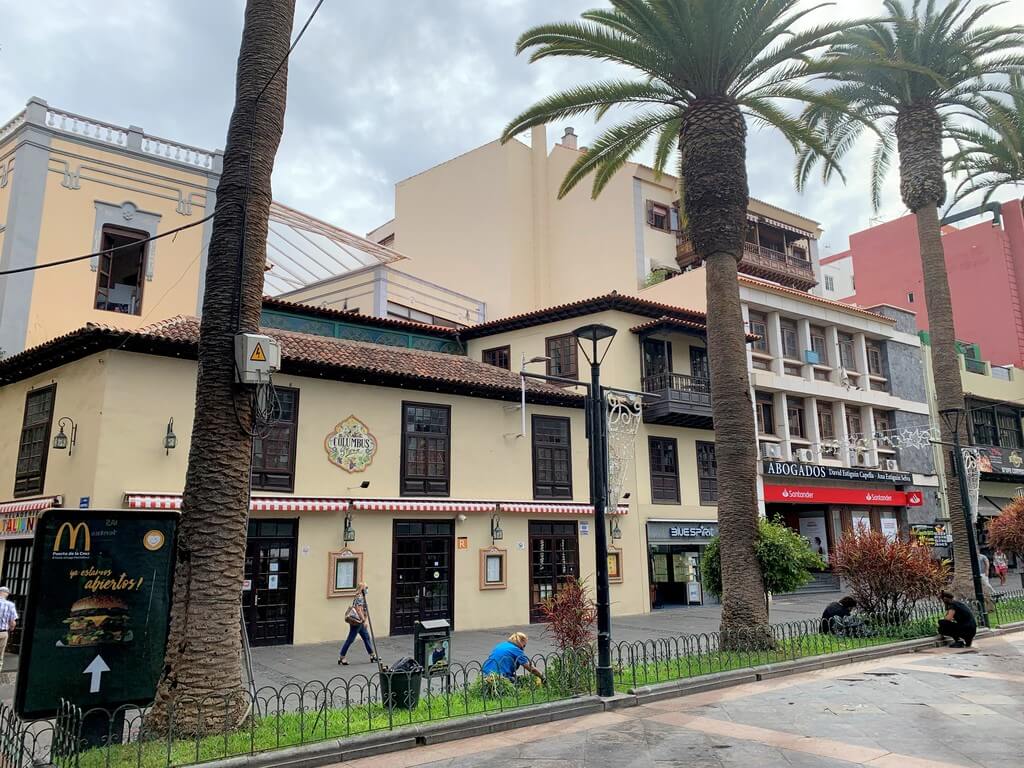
99,606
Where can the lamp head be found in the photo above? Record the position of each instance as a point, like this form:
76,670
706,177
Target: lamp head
594,332
60,442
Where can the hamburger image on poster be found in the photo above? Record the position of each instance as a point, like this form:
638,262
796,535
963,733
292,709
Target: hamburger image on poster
100,619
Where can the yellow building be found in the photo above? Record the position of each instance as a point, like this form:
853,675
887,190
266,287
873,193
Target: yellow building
397,433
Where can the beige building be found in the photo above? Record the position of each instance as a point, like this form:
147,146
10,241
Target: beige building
412,411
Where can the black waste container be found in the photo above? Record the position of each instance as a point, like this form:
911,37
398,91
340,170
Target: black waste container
400,685
432,645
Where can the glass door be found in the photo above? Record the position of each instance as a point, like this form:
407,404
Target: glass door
16,571
554,559
421,582
268,592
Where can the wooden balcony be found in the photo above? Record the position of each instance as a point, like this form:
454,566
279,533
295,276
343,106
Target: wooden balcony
758,261
685,401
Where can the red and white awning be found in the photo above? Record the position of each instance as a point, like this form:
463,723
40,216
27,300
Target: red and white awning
256,504
30,505
541,508
420,505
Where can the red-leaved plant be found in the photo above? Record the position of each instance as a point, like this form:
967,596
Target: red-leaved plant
570,615
887,577
1006,532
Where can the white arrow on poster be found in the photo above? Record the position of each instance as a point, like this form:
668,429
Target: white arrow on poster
96,668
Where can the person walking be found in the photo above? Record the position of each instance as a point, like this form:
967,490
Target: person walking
8,621
959,623
1001,566
357,618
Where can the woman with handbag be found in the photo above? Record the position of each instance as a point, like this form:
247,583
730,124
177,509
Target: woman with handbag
356,618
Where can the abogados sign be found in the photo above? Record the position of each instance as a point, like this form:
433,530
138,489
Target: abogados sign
799,471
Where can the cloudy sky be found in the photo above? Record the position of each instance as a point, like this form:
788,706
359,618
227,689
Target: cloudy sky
378,90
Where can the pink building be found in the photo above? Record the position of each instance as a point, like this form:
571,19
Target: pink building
986,277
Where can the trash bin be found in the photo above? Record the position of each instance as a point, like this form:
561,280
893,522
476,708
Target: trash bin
432,645
400,684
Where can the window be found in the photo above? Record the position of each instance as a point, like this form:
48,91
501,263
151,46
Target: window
499,356
664,459
657,360
765,404
122,271
402,312
492,568
791,369
854,430
426,449
273,456
552,458
759,327
846,356
818,344
984,422
795,410
562,351
707,473
875,358
910,297
1009,428
826,424
30,471
615,566
830,283
344,573
790,346
884,422
658,216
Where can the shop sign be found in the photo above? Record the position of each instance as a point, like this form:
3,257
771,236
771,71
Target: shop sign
997,461
684,530
350,445
18,526
934,535
873,497
821,472
99,606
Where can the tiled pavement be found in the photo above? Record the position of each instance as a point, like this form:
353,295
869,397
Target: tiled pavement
938,708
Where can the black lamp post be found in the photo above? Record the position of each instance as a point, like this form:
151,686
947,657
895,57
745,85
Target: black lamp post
595,333
952,418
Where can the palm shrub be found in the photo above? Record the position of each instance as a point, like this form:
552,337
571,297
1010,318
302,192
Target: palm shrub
1006,532
702,69
911,79
784,556
570,617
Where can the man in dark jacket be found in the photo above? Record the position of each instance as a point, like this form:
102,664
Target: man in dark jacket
959,622
832,617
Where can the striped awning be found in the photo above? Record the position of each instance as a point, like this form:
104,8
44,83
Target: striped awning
421,505
18,518
256,503
21,506
542,508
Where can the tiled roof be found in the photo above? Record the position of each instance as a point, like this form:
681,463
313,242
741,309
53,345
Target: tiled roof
609,301
302,354
755,283
673,322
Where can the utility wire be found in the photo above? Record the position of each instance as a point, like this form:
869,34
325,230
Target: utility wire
132,244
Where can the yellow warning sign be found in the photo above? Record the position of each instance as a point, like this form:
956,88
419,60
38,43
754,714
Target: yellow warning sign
258,355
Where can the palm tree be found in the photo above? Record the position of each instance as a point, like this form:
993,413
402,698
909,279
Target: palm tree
911,79
994,158
200,688
705,68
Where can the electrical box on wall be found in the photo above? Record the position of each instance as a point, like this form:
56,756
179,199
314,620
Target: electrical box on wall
256,357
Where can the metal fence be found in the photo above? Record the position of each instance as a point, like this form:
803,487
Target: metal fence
296,714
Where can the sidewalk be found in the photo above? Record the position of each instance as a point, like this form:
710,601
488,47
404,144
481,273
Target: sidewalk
283,664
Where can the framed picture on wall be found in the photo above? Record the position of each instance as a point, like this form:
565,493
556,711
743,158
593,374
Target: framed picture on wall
492,568
344,573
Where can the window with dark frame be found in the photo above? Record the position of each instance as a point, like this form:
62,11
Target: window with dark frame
500,357
830,283
854,430
658,216
884,422
426,449
826,421
552,458
875,359
34,442
765,413
818,345
795,411
563,353
707,473
790,345
273,456
759,327
846,355
121,270
983,425
1009,428
663,454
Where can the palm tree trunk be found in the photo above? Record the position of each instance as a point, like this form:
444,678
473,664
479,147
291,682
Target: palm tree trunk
201,685
713,146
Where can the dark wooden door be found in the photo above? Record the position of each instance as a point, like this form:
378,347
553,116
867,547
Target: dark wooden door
16,570
422,578
268,595
554,559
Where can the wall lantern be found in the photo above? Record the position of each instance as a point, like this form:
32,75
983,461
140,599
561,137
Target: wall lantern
170,439
61,441
350,532
616,532
496,533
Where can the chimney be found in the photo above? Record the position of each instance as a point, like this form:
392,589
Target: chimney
569,139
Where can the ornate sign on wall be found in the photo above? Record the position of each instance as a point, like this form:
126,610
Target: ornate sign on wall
350,445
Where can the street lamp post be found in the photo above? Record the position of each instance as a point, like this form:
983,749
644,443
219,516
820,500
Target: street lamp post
599,499
952,416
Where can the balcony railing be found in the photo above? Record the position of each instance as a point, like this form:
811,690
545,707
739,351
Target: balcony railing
684,400
758,260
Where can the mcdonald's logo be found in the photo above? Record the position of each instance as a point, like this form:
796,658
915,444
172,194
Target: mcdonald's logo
73,531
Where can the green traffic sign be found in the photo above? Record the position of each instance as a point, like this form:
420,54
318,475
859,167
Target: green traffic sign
99,604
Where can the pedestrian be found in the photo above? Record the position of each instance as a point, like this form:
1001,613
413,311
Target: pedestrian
835,613
959,623
8,621
508,656
357,618
999,561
